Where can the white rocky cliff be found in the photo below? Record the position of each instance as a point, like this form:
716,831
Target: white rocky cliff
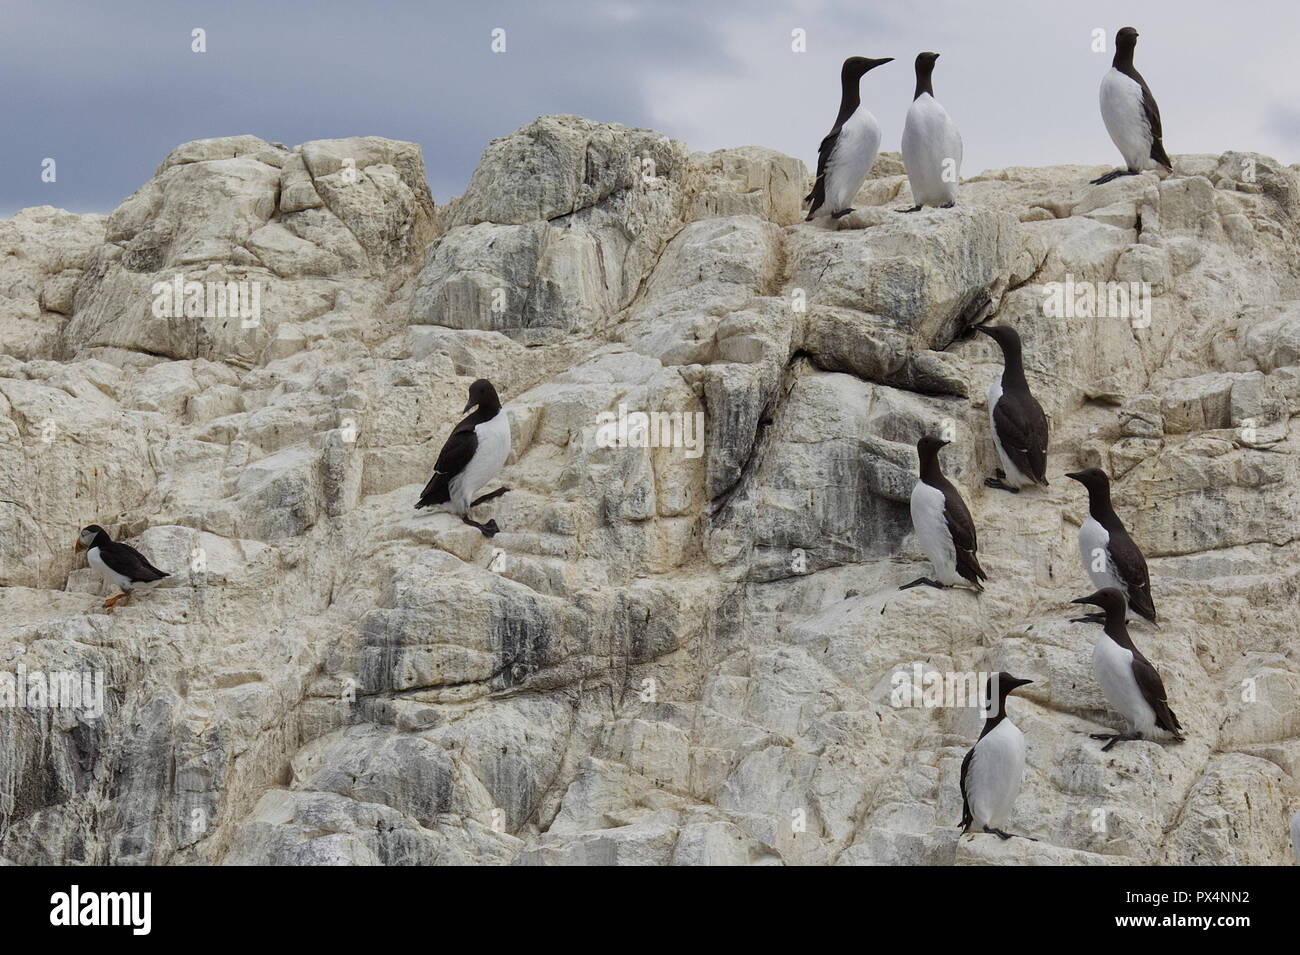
663,657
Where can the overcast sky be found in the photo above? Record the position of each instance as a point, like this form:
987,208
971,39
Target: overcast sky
107,89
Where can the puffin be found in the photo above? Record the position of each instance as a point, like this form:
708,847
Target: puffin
1128,679
943,524
994,768
1110,556
472,456
1019,425
848,152
121,565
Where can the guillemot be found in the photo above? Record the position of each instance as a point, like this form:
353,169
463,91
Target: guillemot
473,454
931,144
943,524
848,152
1110,556
1019,425
1130,112
994,768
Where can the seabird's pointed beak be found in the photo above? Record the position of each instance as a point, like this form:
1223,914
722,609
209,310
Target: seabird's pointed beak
1074,476
981,328
1082,600
469,404
944,444
76,548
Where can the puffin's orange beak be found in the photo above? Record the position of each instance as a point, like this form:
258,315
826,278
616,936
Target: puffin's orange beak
76,548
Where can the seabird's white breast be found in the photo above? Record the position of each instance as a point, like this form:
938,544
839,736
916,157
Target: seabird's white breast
851,159
993,778
931,144
931,526
493,448
1094,548
1125,118
111,577
1113,666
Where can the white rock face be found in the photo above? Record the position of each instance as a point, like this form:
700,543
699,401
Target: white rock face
670,655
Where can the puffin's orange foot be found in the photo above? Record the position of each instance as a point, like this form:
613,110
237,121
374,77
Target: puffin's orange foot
111,603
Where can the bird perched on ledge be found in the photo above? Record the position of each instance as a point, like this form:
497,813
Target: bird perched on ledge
1019,425
848,152
994,767
1130,113
1130,682
472,456
121,565
1110,556
943,524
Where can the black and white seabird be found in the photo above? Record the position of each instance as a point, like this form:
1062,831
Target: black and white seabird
994,768
943,524
1019,425
931,144
1130,112
472,456
121,565
848,152
1109,554
1131,684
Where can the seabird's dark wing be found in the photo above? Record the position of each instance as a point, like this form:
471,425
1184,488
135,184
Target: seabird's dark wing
1132,568
1022,429
818,194
966,817
1152,113
455,454
129,562
1153,691
962,528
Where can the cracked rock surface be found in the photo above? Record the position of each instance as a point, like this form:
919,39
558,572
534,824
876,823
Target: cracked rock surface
668,655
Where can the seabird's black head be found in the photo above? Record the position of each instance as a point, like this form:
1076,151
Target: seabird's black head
927,451
1111,601
999,686
1094,479
482,393
856,67
1008,338
924,70
1126,39
89,536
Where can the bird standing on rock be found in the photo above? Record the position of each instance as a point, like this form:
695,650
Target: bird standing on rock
1127,678
848,152
931,144
994,768
1110,556
1130,113
1019,425
943,524
121,565
472,456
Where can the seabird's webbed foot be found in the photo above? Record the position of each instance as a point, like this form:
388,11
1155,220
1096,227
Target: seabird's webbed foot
913,209
922,580
949,205
1004,836
841,214
1112,175
488,497
112,603
1000,484
489,529
1115,738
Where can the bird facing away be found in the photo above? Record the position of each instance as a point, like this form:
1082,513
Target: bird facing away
1130,113
1127,678
943,524
472,456
1110,556
931,144
121,565
1019,425
994,768
848,152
